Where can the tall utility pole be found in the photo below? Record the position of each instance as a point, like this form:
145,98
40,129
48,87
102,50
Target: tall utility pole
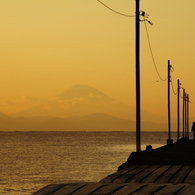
178,109
169,140
169,110
184,97
137,66
187,115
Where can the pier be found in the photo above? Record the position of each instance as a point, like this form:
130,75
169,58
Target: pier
118,189
168,170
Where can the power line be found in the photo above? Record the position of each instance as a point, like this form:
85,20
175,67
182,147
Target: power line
181,96
146,33
173,88
152,52
180,93
172,70
115,10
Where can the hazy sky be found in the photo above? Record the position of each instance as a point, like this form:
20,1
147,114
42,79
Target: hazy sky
47,46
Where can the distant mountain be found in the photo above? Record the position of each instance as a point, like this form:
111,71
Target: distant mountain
92,122
83,100
4,117
5,122
79,100
84,92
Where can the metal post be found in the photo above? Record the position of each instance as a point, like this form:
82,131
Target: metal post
187,115
169,140
137,58
183,113
178,109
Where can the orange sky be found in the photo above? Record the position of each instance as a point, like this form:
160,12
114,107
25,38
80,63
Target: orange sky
48,46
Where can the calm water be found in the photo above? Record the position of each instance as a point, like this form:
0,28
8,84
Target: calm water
32,160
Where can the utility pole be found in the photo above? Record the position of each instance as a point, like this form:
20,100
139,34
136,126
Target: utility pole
187,115
185,102
169,140
137,66
184,94
178,109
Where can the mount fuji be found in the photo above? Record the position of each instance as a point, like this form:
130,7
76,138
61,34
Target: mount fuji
81,100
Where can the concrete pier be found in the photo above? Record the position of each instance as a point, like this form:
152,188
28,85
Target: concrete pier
169,170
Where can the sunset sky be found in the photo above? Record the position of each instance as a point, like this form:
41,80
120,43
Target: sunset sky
47,46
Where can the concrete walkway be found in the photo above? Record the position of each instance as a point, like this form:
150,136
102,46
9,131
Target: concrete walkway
169,170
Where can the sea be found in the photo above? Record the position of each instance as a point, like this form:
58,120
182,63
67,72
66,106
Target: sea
32,160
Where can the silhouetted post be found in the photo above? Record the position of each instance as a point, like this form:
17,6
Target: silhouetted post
178,109
186,95
169,140
183,113
193,130
137,58
187,115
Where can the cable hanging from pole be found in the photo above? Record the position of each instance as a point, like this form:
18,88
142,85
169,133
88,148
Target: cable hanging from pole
149,44
175,92
115,10
180,93
181,96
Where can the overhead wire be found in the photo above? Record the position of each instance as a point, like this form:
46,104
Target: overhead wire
151,52
175,92
180,93
149,43
115,10
172,70
146,34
